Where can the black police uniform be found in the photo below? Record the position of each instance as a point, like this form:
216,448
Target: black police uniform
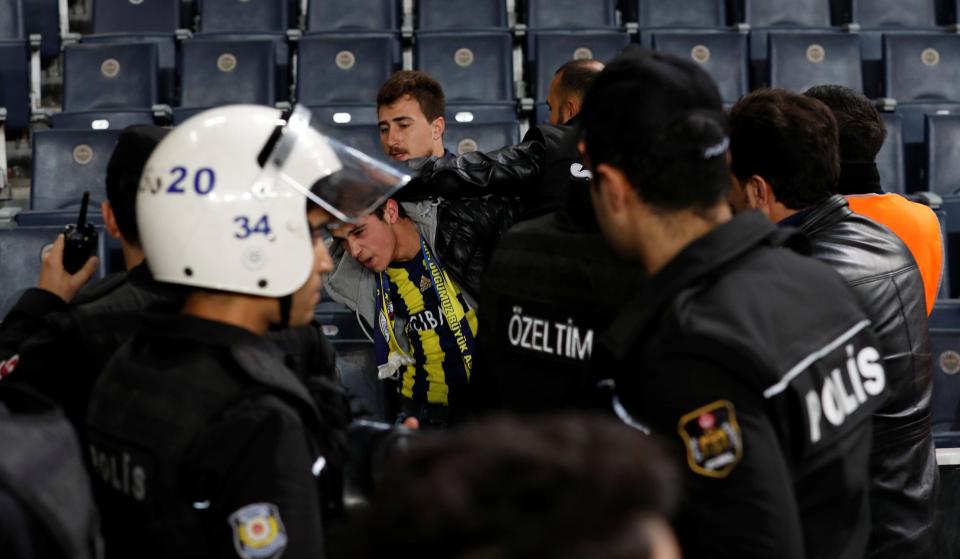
46,506
760,367
205,445
61,348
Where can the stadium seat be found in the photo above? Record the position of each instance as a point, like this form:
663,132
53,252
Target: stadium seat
556,48
43,18
889,14
766,15
109,76
243,16
100,120
570,14
15,84
364,137
444,15
653,14
723,55
480,128
166,45
945,348
14,67
12,20
124,16
66,163
21,253
798,61
943,154
281,47
786,13
890,161
922,67
470,65
340,15
345,68
215,72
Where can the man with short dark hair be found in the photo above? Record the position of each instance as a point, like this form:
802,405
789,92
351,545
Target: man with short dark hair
786,163
564,487
862,133
410,107
568,88
736,350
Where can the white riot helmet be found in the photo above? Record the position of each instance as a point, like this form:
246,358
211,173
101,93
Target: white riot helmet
223,198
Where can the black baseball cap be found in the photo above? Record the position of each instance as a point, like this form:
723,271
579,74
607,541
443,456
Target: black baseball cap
646,92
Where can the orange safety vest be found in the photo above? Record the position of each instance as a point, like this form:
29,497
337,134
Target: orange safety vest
918,228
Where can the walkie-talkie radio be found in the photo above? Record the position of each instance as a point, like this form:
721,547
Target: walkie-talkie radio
80,240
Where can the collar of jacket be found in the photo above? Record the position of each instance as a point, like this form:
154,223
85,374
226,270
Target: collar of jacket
705,256
859,177
824,215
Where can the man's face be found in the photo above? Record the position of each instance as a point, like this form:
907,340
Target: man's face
405,132
555,102
305,299
372,242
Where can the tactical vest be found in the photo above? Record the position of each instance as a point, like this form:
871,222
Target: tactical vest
125,472
41,465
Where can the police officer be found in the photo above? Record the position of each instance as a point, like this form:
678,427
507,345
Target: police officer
202,442
756,362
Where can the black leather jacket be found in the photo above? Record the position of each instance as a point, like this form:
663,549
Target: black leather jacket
883,274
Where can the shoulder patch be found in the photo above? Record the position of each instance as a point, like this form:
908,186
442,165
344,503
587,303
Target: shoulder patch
258,532
711,435
7,367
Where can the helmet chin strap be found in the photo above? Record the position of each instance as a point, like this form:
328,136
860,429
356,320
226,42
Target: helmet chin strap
286,302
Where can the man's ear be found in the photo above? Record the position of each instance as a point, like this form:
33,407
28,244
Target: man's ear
760,192
391,212
439,126
110,220
570,108
613,188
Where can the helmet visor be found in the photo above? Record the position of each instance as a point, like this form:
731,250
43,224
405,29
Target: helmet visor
342,180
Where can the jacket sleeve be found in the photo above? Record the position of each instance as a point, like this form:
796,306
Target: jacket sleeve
740,501
26,318
505,172
254,468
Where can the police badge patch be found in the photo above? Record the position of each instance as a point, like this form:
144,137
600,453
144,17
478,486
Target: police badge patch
258,532
712,438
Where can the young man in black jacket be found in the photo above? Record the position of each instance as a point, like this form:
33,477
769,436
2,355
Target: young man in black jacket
755,362
786,163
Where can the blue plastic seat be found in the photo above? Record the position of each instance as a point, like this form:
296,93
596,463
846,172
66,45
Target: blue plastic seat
706,14
345,68
765,15
21,256
890,160
921,67
552,49
470,65
363,137
66,163
462,138
799,61
110,76
215,72
124,16
336,115
12,25
15,83
281,49
570,14
444,15
340,15
722,54
892,14
166,45
943,154
243,16
100,120
945,350
42,17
